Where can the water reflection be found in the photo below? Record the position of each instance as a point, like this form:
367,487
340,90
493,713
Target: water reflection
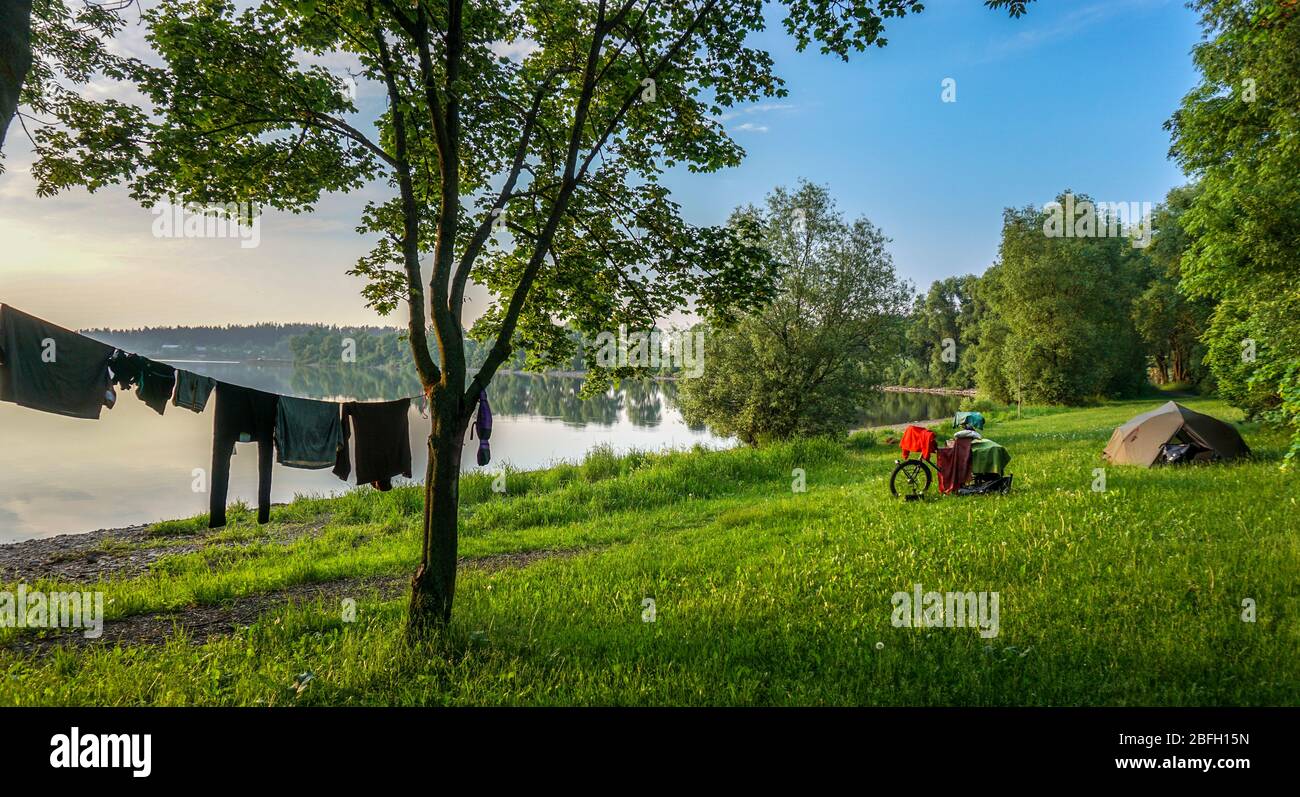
67,475
133,467
890,407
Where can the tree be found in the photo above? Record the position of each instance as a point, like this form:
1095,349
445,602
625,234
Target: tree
1235,133
1058,311
940,332
15,57
536,175
803,364
1169,322
48,50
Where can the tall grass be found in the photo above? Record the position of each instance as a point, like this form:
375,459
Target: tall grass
762,594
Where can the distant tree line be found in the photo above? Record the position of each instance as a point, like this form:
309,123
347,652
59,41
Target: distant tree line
239,340
1212,303
1063,319
387,348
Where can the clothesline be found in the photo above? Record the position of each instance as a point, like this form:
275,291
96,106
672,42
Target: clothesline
46,367
413,397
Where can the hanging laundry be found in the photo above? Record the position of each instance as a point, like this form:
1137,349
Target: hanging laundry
47,367
153,381
124,369
243,415
383,447
192,390
483,425
156,383
307,433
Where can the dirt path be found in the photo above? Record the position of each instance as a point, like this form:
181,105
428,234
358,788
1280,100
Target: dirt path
126,552
115,554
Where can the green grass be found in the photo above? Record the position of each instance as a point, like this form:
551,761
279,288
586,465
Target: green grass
763,595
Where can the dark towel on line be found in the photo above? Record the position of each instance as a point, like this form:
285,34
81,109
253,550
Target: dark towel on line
47,367
383,442
243,415
192,390
307,433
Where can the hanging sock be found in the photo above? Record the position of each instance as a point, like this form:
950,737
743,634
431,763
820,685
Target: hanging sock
242,415
483,425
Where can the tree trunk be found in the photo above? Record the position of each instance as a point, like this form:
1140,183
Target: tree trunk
1162,370
433,587
1180,365
15,57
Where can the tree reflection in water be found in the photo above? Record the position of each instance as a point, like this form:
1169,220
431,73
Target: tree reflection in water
544,395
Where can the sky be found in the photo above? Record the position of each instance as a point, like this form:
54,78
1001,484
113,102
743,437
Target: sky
1072,95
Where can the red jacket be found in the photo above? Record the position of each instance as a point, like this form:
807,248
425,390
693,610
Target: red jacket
918,439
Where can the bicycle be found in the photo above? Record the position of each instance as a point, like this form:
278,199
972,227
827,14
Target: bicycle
917,477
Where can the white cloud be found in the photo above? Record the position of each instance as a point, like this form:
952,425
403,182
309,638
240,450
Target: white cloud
757,108
1031,34
516,50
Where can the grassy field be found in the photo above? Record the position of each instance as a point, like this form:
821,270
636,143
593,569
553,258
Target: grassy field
762,595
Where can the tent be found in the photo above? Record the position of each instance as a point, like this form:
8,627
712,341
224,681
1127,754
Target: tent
1144,439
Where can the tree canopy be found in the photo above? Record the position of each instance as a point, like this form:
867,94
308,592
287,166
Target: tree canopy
522,146
806,363
1235,133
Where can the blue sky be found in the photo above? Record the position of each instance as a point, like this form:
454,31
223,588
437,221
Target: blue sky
1071,95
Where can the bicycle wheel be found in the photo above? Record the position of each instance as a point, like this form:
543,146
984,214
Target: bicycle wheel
915,479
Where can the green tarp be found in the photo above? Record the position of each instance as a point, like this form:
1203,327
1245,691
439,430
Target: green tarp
987,456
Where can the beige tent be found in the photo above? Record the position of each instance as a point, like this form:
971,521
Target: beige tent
1139,441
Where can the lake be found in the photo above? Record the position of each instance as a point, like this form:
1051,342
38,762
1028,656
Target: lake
66,475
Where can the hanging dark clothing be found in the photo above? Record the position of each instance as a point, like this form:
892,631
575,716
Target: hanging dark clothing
124,369
307,433
483,425
954,465
243,415
46,367
192,390
153,381
383,447
157,381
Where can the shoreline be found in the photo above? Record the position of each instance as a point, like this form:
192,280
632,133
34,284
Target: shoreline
938,391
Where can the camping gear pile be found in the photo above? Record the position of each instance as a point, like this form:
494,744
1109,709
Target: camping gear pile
1172,434
969,465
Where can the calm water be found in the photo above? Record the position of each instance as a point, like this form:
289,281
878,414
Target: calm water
892,407
64,475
